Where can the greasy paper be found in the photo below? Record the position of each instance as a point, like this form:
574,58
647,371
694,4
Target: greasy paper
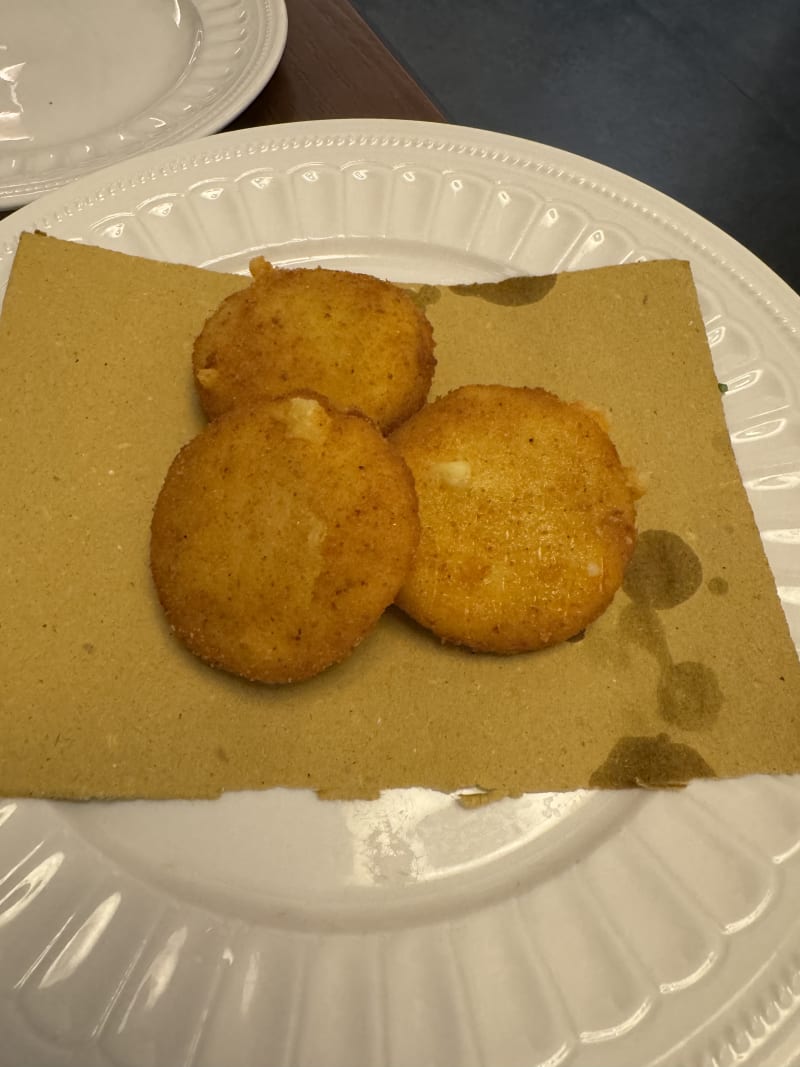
690,673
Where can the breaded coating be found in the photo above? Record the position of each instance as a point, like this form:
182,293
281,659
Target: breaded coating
280,535
355,339
527,514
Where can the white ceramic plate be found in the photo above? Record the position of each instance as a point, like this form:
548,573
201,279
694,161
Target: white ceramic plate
83,85
595,930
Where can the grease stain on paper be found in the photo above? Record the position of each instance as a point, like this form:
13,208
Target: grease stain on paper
649,762
664,572
511,292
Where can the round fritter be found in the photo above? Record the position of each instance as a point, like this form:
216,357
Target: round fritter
355,339
527,515
280,535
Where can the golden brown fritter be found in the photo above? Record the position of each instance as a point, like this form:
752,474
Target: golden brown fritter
527,516
280,535
357,340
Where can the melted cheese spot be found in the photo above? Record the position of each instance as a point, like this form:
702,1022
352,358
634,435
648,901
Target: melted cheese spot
305,418
457,473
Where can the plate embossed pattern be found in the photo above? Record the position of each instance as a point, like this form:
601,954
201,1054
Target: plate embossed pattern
581,929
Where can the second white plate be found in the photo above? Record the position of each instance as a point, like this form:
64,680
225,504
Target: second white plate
84,85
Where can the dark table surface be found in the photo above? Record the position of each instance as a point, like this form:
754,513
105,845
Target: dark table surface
699,100
335,66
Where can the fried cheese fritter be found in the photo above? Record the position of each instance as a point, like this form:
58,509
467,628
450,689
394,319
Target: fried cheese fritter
527,514
280,535
355,339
